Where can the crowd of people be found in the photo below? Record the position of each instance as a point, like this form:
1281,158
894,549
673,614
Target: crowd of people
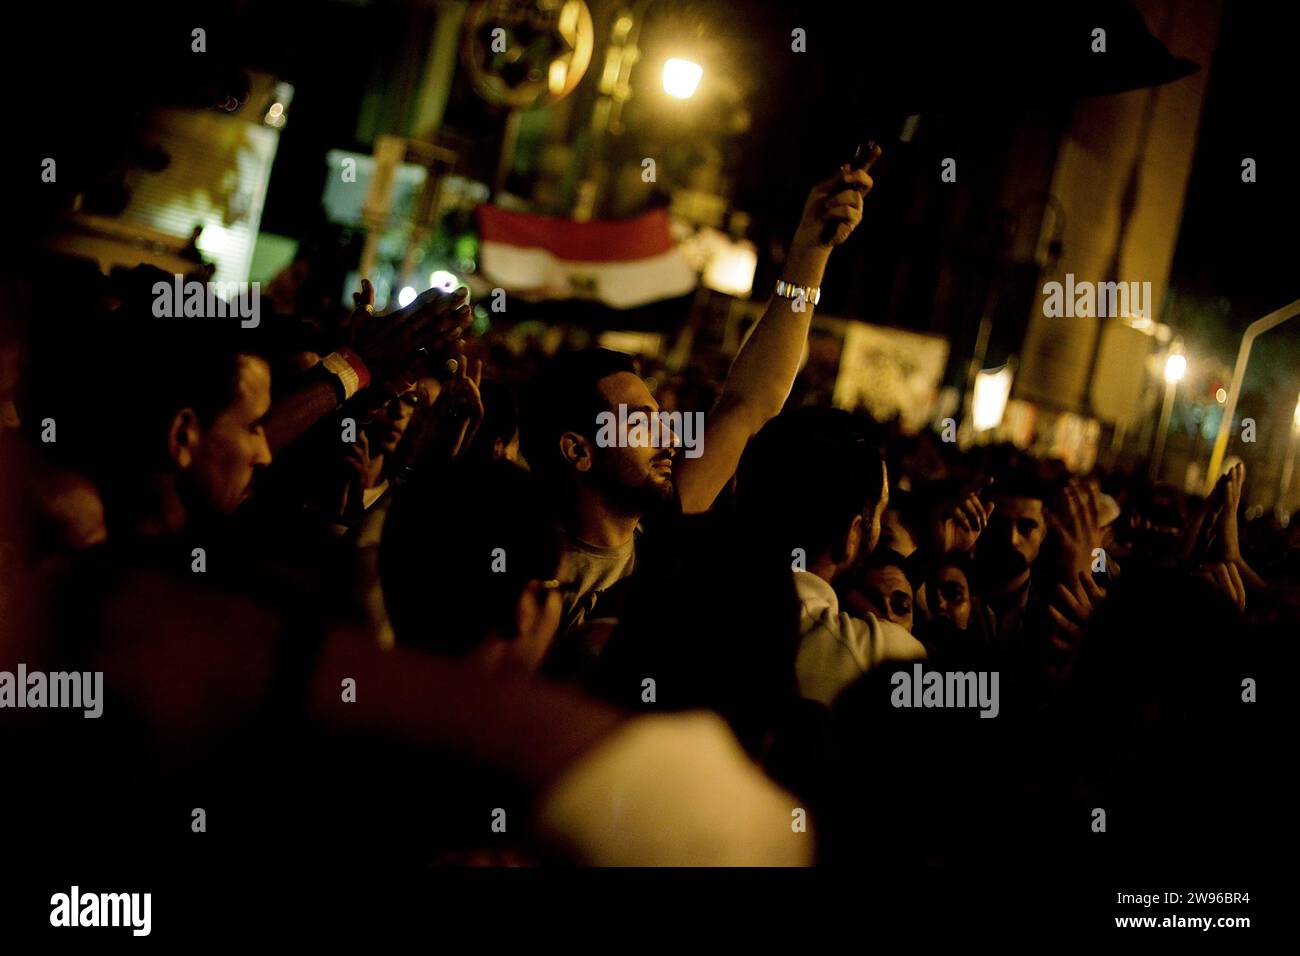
367,582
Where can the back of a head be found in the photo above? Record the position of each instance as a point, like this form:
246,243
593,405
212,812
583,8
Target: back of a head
458,549
564,397
806,476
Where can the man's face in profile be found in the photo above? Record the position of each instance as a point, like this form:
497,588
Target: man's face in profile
1010,544
634,477
231,448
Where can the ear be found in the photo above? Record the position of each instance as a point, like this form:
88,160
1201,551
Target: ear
576,451
183,438
852,541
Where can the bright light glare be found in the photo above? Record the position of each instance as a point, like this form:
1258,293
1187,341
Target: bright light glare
1221,396
1175,368
681,78
992,389
406,296
731,269
444,280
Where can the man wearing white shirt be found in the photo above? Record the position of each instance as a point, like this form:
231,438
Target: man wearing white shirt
810,480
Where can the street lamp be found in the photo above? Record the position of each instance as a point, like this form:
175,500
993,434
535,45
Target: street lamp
682,78
1175,369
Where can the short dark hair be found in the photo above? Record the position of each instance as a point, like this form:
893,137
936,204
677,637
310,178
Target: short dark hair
878,559
564,397
1022,482
889,558
114,382
805,476
445,585
956,560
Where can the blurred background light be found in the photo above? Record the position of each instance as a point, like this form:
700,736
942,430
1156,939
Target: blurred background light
731,269
444,280
1175,368
992,389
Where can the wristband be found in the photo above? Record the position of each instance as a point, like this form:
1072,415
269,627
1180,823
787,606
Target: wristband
350,369
788,290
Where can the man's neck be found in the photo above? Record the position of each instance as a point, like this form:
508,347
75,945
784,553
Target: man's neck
375,472
592,521
160,513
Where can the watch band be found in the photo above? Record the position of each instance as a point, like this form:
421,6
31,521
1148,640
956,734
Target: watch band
788,290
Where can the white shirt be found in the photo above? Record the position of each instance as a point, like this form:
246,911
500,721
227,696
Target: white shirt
673,790
835,648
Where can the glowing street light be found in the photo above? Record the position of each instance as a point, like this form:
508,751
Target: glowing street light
1175,368
989,404
682,78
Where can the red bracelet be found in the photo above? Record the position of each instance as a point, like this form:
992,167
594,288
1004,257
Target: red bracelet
349,368
358,366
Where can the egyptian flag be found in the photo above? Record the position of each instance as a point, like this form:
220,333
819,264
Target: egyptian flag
623,263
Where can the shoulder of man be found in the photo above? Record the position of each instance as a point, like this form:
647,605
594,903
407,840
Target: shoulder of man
874,641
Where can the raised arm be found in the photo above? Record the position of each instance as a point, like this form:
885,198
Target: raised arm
763,372
388,348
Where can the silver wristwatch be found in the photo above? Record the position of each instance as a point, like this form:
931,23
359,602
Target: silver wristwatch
788,290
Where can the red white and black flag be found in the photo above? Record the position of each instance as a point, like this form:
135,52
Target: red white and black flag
622,263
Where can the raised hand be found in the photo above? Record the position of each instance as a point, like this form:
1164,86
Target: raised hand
1073,607
448,427
356,463
461,405
837,200
1076,519
1232,481
959,525
397,345
1225,577
363,306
